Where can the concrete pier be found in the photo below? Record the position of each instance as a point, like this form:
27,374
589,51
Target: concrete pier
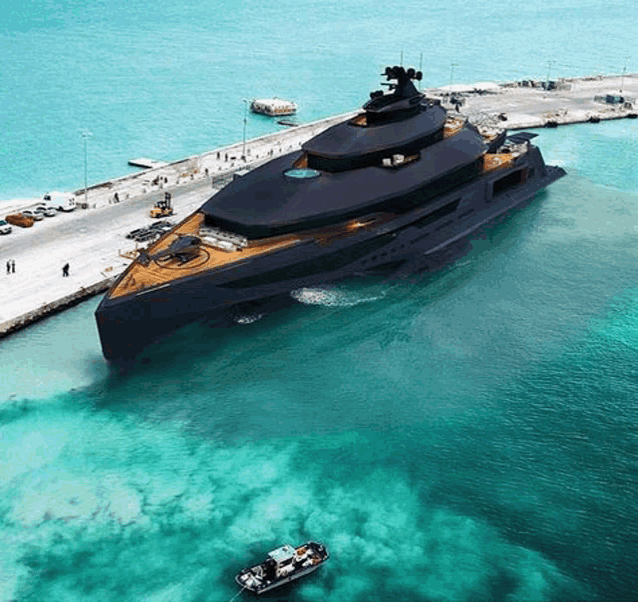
93,241
516,106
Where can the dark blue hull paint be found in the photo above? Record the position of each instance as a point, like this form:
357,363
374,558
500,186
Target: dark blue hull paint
128,324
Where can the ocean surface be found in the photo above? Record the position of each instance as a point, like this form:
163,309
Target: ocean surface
466,434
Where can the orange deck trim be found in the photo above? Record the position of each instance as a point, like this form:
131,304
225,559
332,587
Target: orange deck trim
497,161
140,277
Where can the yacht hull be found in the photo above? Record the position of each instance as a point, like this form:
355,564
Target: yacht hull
130,323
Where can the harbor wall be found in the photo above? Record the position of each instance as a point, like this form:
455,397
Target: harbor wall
14,324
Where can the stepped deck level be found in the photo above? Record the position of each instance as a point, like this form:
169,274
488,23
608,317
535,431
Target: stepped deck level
93,240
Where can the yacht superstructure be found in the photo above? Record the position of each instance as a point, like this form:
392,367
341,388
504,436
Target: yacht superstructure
403,179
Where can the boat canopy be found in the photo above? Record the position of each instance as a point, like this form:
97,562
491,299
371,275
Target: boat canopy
286,552
403,121
273,106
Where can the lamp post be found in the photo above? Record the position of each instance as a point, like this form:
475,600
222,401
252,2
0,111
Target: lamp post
622,77
86,135
452,65
243,152
549,66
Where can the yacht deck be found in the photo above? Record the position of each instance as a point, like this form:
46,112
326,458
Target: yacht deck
163,270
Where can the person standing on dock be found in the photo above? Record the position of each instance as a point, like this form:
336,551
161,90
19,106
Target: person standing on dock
13,266
65,270
8,266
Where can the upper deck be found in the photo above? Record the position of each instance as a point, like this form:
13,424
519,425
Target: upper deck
269,201
355,139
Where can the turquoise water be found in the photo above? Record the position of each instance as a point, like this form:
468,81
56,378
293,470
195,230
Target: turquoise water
466,434
167,80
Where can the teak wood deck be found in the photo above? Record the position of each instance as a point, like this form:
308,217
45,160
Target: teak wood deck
497,160
161,271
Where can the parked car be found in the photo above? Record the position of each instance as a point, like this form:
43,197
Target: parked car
37,217
19,219
4,227
136,232
45,210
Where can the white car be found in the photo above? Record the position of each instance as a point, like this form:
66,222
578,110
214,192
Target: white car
33,214
46,211
4,227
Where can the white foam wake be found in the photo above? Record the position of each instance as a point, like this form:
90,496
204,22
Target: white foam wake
248,319
331,297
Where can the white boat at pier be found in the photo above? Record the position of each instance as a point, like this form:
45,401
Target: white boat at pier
273,107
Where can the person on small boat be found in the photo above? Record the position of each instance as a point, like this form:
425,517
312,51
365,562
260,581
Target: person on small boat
270,569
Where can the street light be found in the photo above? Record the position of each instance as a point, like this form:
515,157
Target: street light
243,153
549,66
86,135
622,77
452,65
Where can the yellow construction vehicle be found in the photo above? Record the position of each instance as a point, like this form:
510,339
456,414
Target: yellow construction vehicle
163,207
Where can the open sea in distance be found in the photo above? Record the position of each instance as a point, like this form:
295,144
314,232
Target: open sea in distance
468,434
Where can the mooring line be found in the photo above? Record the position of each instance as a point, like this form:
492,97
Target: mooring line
237,594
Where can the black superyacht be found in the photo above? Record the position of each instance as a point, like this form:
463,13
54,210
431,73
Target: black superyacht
400,181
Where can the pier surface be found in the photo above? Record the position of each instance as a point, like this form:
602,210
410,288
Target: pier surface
93,239
514,106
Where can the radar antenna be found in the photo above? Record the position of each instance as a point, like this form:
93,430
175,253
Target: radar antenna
402,101
403,86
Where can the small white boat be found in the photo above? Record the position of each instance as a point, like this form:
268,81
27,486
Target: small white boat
273,107
283,565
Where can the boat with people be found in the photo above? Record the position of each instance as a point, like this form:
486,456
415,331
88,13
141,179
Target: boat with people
273,107
380,192
283,565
